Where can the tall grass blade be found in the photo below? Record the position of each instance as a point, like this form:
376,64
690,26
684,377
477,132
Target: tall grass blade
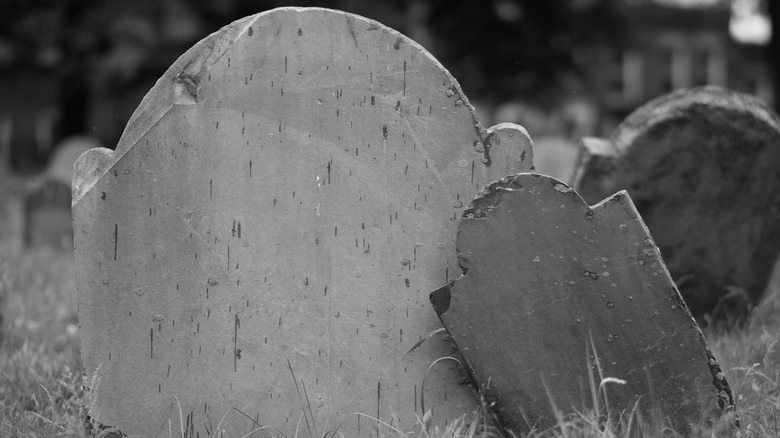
303,408
311,413
428,336
425,376
556,412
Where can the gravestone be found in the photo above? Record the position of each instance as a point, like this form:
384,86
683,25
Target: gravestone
555,293
6,133
701,166
47,216
554,156
262,242
47,197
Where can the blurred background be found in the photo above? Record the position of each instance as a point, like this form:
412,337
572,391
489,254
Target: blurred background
565,67
73,71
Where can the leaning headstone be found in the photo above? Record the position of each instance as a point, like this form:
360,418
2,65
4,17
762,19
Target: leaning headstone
557,295
262,242
701,166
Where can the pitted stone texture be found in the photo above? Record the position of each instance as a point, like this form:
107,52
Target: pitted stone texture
702,168
556,292
281,204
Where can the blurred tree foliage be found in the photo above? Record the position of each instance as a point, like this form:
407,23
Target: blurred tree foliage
498,49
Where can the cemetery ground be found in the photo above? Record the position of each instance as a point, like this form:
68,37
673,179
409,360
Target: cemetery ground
42,384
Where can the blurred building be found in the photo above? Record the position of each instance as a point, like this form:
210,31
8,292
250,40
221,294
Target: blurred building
662,48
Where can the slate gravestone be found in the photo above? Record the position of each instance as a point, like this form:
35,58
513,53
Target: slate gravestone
544,276
702,168
268,229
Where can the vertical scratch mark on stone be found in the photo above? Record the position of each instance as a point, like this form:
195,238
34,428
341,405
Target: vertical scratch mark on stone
236,325
378,398
116,239
151,343
404,94
211,188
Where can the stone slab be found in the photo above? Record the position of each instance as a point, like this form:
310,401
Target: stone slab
555,292
702,168
263,240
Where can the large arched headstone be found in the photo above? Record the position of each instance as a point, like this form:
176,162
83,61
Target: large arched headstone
263,240
702,168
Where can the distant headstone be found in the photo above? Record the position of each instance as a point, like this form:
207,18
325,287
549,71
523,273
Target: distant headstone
47,198
47,217
702,168
6,133
555,293
263,240
554,156
11,218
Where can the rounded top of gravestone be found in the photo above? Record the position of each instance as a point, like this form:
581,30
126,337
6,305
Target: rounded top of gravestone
188,81
711,101
66,154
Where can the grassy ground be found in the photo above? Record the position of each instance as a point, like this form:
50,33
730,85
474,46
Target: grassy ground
41,380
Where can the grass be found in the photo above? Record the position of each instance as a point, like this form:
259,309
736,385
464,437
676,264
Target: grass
41,376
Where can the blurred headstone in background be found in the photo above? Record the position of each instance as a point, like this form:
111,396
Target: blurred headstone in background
555,156
47,197
6,127
10,205
702,168
555,132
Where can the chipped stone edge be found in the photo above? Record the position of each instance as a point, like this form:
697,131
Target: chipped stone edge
93,165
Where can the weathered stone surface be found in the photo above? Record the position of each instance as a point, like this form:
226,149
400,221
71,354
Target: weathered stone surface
282,202
702,167
544,275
